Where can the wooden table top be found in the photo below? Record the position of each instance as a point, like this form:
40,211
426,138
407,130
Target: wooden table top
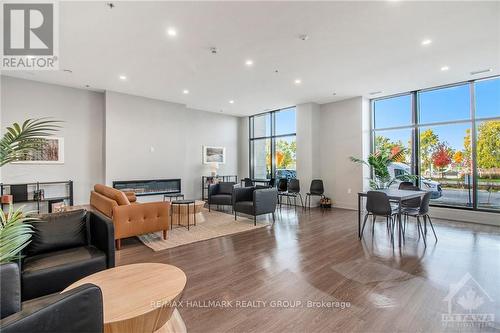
133,290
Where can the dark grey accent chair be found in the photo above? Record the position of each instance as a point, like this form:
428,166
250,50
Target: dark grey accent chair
253,201
220,194
77,310
65,247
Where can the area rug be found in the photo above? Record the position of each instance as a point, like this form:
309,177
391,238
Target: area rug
208,225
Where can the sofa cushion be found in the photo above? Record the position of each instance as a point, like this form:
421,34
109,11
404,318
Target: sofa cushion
226,188
245,207
58,231
112,193
52,272
221,199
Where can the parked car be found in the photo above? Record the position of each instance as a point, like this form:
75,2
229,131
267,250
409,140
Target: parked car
286,173
398,169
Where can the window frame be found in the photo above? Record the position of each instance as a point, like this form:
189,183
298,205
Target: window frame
415,127
271,137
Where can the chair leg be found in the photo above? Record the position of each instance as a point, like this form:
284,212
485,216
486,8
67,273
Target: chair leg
373,224
235,215
255,220
274,218
301,201
363,228
118,244
295,203
209,209
432,227
421,230
164,234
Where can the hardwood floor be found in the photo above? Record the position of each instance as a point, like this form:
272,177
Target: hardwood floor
316,257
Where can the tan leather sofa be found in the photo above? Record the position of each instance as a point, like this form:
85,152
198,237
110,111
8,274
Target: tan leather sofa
129,217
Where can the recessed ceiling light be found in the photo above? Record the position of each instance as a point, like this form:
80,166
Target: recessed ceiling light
249,62
122,77
297,81
185,91
426,42
482,71
171,32
67,70
231,102
304,37
445,68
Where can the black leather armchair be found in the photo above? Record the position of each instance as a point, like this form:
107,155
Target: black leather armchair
253,201
66,247
77,310
221,194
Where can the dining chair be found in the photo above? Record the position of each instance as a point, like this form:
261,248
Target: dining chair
294,192
282,189
422,211
247,182
378,204
316,189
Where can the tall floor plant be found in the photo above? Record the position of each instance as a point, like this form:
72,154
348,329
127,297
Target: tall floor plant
17,141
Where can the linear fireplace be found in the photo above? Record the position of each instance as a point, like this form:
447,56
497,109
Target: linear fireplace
149,187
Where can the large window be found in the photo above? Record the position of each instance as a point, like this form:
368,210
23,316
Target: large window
273,145
451,136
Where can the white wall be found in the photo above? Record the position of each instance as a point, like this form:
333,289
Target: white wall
147,139
340,138
243,148
83,114
308,146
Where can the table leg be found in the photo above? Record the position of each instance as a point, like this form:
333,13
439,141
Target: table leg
359,216
399,222
188,214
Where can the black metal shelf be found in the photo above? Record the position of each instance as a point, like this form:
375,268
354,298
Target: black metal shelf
5,189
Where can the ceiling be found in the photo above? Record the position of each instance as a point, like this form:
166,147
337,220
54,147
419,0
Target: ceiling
353,49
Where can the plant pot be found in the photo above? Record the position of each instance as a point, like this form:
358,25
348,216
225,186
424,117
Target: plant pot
10,289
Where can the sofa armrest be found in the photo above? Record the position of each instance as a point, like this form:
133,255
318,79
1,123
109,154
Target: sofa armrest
10,289
77,310
265,200
102,236
212,190
242,194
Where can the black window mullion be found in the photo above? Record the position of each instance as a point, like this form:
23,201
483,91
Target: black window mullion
473,135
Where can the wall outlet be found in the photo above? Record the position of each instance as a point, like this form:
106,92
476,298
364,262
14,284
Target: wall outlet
349,191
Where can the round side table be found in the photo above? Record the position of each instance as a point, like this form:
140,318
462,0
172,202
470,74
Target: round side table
139,297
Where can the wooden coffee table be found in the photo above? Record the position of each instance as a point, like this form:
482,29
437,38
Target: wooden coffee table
139,297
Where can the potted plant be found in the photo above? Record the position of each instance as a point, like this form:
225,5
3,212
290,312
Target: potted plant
379,163
15,234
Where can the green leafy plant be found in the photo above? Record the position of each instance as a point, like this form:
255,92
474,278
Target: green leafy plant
18,141
15,233
379,163
22,139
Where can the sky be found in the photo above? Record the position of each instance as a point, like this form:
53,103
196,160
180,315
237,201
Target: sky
448,104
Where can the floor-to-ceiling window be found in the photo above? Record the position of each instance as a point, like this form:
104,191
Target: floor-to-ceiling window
451,136
273,144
